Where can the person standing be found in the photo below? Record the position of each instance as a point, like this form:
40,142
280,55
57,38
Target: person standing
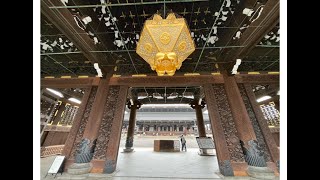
183,143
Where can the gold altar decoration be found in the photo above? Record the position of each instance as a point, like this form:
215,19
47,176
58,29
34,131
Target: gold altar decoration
165,43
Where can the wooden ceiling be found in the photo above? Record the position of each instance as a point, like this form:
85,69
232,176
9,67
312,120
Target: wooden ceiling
69,47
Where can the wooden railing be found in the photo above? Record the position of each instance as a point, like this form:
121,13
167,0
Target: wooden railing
51,150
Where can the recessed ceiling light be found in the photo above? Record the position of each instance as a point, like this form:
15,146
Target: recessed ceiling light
263,98
55,92
75,100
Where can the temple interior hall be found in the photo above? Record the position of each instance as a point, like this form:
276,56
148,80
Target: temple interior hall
159,89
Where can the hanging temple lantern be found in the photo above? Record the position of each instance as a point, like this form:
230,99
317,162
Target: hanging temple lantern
165,43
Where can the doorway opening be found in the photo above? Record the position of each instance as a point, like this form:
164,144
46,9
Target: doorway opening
165,113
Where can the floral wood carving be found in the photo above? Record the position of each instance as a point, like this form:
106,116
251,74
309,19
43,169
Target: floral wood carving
229,128
106,124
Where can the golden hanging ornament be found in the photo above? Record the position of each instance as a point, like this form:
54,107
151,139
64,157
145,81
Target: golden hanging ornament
165,43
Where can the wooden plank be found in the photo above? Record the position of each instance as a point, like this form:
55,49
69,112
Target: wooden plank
156,81
69,83
257,78
168,81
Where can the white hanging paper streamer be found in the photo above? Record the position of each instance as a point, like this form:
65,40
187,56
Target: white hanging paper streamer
96,66
235,67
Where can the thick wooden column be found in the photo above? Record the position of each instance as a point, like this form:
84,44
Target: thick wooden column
108,141
113,145
271,144
85,150
76,124
198,108
132,123
248,140
217,132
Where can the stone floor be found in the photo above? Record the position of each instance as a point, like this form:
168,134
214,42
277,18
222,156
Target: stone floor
144,163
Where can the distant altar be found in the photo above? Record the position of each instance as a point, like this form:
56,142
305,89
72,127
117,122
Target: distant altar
166,146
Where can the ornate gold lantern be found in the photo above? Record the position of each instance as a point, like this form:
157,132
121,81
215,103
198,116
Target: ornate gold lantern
165,43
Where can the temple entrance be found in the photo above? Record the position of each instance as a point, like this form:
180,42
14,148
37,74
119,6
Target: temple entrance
155,115
217,57
99,135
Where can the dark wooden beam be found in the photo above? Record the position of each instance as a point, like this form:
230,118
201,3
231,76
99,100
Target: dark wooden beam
176,81
267,20
166,81
156,81
70,82
64,21
234,21
257,78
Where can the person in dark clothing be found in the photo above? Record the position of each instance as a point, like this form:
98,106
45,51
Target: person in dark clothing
183,143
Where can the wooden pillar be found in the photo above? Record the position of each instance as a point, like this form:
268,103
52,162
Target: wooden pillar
271,144
132,123
108,141
76,123
198,108
223,155
85,151
243,124
113,144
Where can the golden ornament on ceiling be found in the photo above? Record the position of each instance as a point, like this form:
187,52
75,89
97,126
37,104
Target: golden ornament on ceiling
165,43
